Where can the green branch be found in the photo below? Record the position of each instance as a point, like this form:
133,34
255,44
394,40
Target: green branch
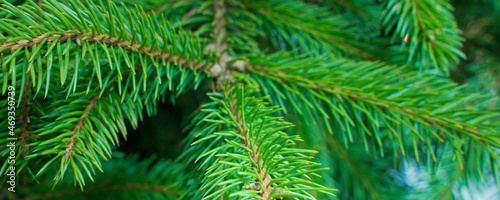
315,28
88,44
134,31
149,178
256,155
104,39
434,39
364,178
369,99
395,99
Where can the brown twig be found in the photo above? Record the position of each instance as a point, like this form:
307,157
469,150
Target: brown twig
189,14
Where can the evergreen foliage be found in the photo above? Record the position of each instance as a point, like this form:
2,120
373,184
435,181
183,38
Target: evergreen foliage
367,87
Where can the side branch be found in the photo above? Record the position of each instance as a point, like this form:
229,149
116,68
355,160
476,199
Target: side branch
365,179
105,39
220,32
254,154
78,126
380,102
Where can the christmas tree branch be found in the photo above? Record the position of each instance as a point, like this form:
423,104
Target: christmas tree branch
107,30
389,102
256,154
430,30
314,27
367,98
220,32
75,132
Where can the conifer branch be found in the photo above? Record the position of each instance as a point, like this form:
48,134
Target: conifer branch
83,136
220,71
103,64
105,39
252,149
75,132
353,102
359,96
251,136
86,33
93,33
144,36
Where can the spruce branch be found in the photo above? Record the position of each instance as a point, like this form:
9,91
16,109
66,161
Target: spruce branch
434,39
149,178
220,71
111,30
394,104
359,96
57,36
220,28
251,148
91,125
255,151
101,66
81,145
75,132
